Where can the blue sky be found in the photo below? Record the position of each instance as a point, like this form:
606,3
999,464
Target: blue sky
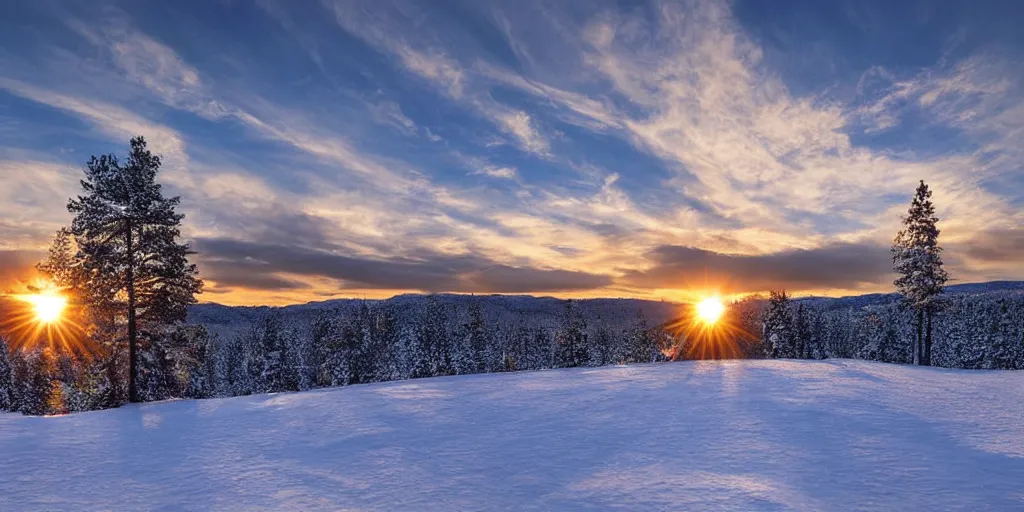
653,149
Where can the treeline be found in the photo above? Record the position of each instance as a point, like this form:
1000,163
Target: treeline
372,341
375,341
983,331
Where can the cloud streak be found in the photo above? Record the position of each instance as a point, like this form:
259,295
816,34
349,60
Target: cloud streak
838,266
231,261
526,147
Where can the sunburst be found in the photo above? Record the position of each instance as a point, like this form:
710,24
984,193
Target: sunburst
706,330
45,318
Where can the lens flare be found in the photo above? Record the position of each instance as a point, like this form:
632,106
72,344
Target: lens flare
44,318
710,310
707,330
48,307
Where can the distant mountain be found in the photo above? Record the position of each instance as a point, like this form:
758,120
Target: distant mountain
225,320
883,298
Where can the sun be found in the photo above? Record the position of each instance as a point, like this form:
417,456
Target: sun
47,307
710,310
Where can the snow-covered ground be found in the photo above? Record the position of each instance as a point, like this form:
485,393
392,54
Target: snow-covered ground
739,435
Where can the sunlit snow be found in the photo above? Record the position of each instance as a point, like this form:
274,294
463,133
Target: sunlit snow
739,435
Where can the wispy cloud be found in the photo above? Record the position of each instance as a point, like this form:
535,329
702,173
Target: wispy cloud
516,147
440,69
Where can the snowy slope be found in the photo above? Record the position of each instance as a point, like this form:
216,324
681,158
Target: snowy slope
737,435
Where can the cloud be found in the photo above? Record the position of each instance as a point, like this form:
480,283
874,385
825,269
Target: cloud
230,274
836,266
390,113
611,135
508,173
521,126
997,246
33,196
425,270
505,279
379,26
115,121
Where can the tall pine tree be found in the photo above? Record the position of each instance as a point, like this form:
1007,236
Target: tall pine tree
917,258
127,234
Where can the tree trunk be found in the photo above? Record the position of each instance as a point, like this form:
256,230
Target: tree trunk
928,338
133,391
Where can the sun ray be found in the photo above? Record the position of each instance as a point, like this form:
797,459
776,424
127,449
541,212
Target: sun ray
707,330
44,318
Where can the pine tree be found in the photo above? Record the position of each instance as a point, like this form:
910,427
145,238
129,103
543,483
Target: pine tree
917,258
6,378
268,356
321,354
515,346
358,338
777,329
235,364
640,343
33,372
473,341
571,338
127,235
539,353
291,364
1001,339
61,266
801,332
155,379
379,349
434,347
602,345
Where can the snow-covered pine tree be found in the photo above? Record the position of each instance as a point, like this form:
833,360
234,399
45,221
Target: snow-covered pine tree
801,332
320,351
384,334
639,344
127,235
33,374
357,336
1001,338
474,338
602,344
917,258
192,368
434,355
892,346
6,377
515,344
270,371
571,338
62,267
236,357
155,374
335,363
540,349
777,329
290,361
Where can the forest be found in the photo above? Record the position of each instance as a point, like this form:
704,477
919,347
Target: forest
136,333
285,349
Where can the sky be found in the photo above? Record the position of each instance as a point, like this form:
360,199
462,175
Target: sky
664,150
